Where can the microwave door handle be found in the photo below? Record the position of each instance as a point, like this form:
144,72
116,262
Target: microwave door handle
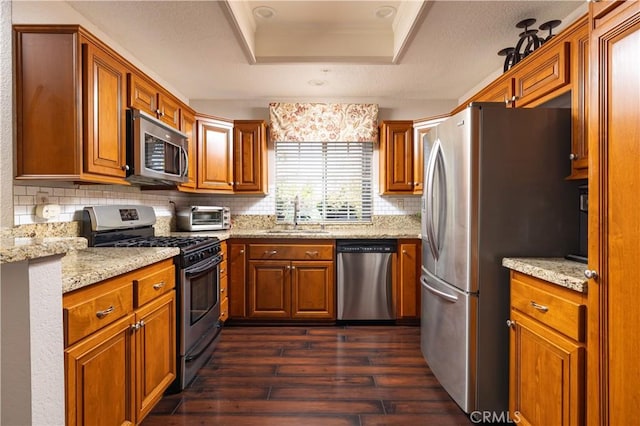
185,156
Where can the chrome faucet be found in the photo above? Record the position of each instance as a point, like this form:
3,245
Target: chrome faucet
296,208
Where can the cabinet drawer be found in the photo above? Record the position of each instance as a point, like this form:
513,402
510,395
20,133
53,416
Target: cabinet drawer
153,285
291,252
224,309
92,314
223,268
560,313
546,73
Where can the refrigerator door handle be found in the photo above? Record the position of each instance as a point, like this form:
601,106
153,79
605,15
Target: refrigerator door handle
445,295
431,170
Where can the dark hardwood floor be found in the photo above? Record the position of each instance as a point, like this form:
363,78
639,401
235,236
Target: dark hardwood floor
304,376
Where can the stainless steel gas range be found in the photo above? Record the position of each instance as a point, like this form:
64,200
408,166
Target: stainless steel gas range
197,277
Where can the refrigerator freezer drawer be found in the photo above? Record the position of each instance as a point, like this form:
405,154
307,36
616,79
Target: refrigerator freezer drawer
447,339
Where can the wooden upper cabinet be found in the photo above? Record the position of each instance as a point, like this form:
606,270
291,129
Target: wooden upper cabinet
579,156
501,90
69,106
250,156
188,127
421,129
215,154
545,73
104,112
396,157
152,99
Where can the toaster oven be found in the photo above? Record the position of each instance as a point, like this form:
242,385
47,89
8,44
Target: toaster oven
203,218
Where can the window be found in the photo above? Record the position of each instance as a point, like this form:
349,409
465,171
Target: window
332,180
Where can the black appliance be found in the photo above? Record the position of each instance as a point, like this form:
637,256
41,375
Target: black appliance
583,226
197,278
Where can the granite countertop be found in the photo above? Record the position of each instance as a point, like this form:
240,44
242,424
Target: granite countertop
22,248
560,271
84,267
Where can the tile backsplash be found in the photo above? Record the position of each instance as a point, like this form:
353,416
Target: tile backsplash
72,198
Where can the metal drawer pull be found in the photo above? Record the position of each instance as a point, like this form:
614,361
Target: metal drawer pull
270,252
158,286
102,314
222,270
511,323
539,307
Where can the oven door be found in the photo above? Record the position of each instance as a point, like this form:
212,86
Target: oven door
200,305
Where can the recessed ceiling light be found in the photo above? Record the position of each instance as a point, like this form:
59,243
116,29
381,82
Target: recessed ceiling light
317,82
385,12
264,12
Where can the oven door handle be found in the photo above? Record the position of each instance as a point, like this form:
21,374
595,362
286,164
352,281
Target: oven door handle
189,272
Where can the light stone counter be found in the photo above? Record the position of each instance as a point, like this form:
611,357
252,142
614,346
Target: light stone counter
560,271
19,249
84,267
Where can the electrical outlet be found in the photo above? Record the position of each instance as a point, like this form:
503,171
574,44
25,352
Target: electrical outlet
42,198
400,204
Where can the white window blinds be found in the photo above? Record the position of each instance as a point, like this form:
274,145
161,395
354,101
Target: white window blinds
333,181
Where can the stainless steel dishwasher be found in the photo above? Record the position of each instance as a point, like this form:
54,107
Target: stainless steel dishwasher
364,279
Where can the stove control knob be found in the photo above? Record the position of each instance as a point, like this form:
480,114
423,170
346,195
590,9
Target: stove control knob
201,255
192,258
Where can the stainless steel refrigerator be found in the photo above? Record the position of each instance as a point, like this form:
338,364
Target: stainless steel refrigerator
494,187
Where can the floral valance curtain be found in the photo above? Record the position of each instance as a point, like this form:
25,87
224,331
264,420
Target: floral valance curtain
315,122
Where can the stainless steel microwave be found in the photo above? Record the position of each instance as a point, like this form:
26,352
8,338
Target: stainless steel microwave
203,218
156,153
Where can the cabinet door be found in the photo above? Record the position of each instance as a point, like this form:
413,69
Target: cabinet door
155,352
408,302
142,94
546,73
188,128
99,377
237,280
250,150
269,289
501,90
168,110
313,290
396,157
579,87
546,375
614,142
104,113
215,155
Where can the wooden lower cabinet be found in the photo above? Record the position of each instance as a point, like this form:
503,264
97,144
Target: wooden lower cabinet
237,262
291,282
408,279
115,373
547,353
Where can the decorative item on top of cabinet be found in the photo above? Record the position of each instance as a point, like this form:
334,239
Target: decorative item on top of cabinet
547,353
120,346
224,282
421,128
70,106
152,99
408,274
250,156
215,154
613,342
291,281
396,158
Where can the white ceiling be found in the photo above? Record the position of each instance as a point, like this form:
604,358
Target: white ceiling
196,47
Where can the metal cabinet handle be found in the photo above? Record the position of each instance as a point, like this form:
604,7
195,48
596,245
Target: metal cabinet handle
135,327
591,274
293,267
142,323
222,270
242,251
102,314
573,157
230,183
222,290
539,307
125,167
158,286
270,252
511,323
404,252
